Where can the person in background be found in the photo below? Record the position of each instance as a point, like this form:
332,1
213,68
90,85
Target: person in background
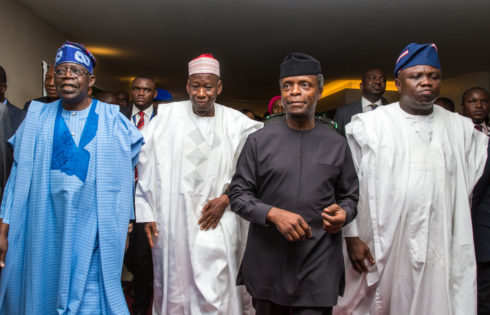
480,212
247,112
107,97
138,258
475,104
445,103
10,119
275,105
16,115
373,86
49,87
163,96
122,98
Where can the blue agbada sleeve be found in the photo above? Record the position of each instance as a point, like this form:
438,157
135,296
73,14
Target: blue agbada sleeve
136,141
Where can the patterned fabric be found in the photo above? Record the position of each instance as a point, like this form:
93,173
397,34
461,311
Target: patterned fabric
68,156
75,53
479,127
205,63
64,233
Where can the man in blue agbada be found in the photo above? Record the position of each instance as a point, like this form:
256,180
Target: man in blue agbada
68,200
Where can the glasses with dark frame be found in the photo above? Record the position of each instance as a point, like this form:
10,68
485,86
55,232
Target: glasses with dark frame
76,72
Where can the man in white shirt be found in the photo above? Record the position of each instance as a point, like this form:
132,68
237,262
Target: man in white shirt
373,87
189,158
143,91
411,246
138,258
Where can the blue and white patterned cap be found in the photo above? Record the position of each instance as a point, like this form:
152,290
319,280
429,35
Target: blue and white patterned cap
76,53
417,54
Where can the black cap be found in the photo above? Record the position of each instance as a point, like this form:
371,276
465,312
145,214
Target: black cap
299,64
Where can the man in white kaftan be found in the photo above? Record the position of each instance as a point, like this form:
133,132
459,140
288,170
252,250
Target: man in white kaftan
185,169
417,166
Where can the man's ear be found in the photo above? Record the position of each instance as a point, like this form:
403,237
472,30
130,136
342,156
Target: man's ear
91,81
220,86
398,84
320,92
187,87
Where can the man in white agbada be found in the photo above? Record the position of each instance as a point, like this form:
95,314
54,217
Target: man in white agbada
411,249
185,168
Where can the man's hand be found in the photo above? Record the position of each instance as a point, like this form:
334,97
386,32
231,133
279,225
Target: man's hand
151,232
333,218
212,212
4,244
358,251
291,225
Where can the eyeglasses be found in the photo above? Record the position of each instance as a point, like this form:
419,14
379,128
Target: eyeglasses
76,72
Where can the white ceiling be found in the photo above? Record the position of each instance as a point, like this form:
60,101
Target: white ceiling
251,37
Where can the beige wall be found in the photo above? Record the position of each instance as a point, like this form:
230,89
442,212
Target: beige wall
26,41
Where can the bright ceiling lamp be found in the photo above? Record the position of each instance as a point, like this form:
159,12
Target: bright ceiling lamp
126,78
340,85
105,51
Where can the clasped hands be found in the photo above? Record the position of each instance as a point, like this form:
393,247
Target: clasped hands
294,228
211,214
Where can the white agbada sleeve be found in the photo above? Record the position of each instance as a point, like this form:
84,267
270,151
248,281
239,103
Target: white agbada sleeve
184,164
350,230
145,201
439,238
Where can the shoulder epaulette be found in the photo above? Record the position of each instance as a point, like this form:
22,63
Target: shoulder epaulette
323,119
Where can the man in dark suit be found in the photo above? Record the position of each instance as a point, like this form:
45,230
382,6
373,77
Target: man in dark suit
127,110
475,104
10,119
481,232
16,115
372,86
138,257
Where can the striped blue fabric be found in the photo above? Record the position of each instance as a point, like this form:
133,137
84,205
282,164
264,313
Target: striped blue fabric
66,237
75,120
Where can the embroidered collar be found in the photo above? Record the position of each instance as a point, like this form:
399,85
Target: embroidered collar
66,155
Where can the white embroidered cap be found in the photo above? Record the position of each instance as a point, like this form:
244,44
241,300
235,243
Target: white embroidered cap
205,63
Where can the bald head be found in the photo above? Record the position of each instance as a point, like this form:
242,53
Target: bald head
107,97
445,103
122,98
